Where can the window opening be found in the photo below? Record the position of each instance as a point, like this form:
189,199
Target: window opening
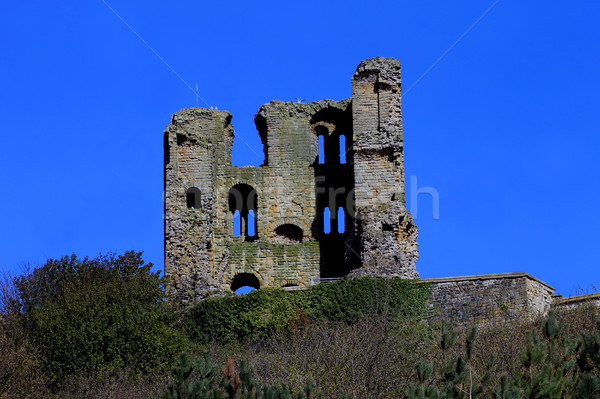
237,224
243,203
192,198
342,149
341,216
321,149
326,221
251,228
243,283
290,232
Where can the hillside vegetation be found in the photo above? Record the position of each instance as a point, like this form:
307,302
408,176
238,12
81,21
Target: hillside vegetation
102,327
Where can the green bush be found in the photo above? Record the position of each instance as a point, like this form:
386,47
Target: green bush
103,314
256,314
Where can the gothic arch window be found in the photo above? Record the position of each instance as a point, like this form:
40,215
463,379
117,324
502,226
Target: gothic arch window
193,198
243,205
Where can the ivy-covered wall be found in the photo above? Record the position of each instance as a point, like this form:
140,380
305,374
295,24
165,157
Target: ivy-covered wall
260,312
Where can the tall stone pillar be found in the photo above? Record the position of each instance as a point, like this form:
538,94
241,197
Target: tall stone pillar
386,230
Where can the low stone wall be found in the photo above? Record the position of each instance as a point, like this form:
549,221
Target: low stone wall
489,297
576,301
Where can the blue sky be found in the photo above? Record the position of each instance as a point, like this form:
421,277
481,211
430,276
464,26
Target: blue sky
504,126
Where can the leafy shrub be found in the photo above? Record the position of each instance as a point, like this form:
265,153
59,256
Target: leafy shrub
102,314
260,312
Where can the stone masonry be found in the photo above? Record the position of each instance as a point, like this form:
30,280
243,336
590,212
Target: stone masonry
488,297
329,200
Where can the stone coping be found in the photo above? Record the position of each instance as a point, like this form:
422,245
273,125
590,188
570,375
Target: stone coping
479,277
577,298
295,288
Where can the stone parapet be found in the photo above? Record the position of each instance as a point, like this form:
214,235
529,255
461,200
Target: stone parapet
488,297
576,301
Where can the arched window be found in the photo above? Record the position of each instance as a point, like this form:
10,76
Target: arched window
322,134
237,225
335,183
333,146
289,233
244,282
251,223
192,198
326,221
243,205
343,149
341,220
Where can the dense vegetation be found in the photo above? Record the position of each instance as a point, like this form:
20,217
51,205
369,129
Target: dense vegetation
102,328
261,312
103,314
106,315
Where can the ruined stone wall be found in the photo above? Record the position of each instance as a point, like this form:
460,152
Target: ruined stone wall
314,216
386,230
355,188
197,142
491,297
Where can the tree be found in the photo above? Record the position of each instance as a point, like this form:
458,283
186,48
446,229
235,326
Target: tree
103,314
456,377
554,365
202,379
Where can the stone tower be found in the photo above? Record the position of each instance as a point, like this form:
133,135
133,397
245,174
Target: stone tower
328,201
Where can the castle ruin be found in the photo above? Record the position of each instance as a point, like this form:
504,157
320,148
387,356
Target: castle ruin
328,202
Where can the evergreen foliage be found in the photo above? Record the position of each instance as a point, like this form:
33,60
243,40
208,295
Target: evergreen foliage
555,365
201,379
456,377
552,365
260,312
